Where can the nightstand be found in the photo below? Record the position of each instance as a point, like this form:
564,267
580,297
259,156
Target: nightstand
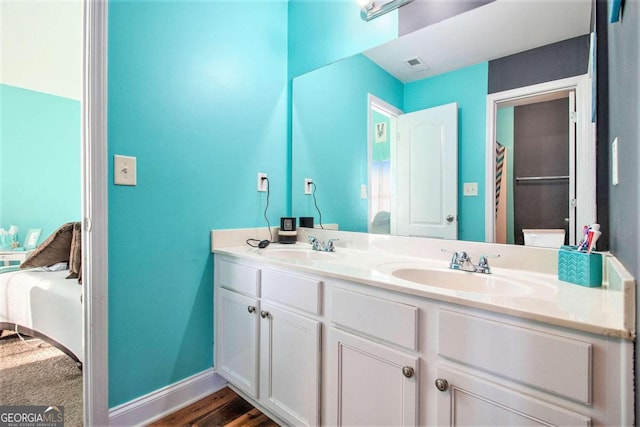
7,256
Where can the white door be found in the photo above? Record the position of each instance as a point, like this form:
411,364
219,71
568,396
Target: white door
290,365
375,384
237,335
424,168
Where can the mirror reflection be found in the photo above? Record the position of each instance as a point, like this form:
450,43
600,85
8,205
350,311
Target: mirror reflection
347,117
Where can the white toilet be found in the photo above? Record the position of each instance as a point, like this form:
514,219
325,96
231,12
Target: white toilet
546,238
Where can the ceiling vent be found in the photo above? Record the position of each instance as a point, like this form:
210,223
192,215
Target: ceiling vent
416,64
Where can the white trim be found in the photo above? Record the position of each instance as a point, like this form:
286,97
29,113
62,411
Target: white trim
162,402
94,212
373,102
572,167
585,146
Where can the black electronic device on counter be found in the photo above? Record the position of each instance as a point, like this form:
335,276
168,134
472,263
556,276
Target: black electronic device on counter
287,233
306,221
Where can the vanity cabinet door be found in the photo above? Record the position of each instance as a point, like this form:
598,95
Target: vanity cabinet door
290,365
237,334
464,399
374,384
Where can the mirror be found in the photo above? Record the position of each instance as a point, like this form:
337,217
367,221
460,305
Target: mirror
332,123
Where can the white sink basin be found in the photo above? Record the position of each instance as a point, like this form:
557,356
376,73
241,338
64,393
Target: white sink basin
464,281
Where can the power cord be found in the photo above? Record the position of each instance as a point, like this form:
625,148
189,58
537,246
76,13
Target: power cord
315,202
34,344
257,243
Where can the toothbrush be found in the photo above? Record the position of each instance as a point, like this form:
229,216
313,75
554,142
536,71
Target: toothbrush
584,242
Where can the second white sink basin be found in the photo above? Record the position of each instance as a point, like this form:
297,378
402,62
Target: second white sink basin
463,281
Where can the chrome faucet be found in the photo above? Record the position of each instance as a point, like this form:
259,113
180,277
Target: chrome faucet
462,261
318,245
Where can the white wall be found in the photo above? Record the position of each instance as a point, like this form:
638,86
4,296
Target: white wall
41,46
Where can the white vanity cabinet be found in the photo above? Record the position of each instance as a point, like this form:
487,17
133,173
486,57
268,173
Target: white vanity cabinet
237,325
290,347
313,349
267,343
373,363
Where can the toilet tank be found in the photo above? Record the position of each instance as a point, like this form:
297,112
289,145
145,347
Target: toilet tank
546,238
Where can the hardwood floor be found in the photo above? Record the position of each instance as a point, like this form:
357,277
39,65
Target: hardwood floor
223,408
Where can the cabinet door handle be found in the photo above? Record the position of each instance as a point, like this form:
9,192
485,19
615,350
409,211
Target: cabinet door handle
251,309
442,384
408,371
264,314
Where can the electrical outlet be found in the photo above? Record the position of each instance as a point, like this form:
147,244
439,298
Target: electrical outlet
307,185
262,183
470,189
363,191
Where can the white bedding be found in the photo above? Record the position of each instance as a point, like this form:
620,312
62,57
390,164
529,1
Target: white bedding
46,302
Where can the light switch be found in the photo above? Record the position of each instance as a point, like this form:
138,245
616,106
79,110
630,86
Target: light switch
124,170
470,189
615,179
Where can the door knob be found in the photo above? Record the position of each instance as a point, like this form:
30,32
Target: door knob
408,371
442,384
264,314
450,218
251,309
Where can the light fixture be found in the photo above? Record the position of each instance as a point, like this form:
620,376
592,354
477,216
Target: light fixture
369,9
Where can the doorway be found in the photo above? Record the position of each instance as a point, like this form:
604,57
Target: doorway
534,147
413,170
381,128
550,182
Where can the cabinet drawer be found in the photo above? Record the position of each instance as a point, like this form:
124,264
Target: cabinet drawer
388,320
550,362
300,292
239,278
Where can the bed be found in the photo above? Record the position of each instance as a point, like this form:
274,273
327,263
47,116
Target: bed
43,304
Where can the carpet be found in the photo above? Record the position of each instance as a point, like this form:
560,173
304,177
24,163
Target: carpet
33,372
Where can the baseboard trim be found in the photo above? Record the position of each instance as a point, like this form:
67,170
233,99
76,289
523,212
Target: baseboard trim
159,403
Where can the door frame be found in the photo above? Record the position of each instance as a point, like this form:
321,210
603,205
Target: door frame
585,176
393,112
94,213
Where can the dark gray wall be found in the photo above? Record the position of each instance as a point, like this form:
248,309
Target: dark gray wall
422,13
602,120
563,59
624,123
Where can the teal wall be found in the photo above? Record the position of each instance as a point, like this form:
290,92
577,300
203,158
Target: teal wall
504,135
39,160
198,93
467,87
329,134
324,31
330,108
